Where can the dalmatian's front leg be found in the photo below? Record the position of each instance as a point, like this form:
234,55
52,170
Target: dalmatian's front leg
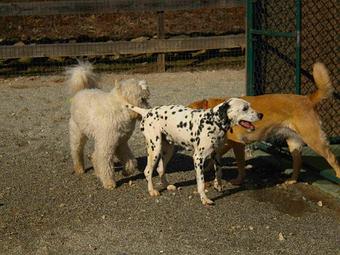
198,163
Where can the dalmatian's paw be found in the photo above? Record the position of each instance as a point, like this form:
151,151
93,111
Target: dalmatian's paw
154,193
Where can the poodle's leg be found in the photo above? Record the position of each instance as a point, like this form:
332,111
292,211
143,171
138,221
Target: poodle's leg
166,154
128,160
295,146
77,143
102,159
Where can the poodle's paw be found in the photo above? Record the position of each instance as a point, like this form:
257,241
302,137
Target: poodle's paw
109,185
79,169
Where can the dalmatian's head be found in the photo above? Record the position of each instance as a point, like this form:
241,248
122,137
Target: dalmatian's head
236,111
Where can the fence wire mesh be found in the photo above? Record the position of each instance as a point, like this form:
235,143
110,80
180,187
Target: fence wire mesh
275,59
124,26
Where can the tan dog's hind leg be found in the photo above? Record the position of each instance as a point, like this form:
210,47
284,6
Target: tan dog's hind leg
314,137
167,152
295,146
218,170
239,151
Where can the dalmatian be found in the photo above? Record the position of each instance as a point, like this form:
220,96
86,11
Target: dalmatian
198,130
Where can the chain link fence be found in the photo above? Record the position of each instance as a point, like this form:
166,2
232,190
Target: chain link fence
275,56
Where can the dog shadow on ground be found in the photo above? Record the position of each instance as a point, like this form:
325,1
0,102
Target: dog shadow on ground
265,171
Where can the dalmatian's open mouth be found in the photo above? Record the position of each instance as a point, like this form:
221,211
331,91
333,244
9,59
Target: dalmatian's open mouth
246,125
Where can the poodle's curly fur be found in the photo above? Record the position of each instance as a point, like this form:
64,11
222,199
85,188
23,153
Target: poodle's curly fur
103,116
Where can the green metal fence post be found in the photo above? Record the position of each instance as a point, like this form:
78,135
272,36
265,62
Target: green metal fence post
250,49
298,47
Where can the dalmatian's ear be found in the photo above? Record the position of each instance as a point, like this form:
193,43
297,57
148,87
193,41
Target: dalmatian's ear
223,109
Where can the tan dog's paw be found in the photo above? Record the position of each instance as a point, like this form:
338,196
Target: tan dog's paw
207,201
337,174
290,182
218,186
237,181
154,193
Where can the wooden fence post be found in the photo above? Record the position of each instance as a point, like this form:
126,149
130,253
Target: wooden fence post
160,35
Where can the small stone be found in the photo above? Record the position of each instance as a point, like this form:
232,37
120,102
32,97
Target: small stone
190,197
103,217
281,237
130,183
320,203
251,228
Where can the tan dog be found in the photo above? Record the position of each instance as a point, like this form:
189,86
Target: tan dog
290,116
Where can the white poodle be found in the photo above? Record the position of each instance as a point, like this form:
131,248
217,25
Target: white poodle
103,116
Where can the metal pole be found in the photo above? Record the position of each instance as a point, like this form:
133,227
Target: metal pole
250,50
298,47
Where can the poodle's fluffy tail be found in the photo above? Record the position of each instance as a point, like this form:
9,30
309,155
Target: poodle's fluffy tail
81,77
140,111
323,83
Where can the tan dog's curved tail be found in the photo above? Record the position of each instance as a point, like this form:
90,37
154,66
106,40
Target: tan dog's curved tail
323,83
81,77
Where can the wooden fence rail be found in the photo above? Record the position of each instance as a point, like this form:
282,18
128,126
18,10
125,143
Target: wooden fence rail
105,6
122,47
159,45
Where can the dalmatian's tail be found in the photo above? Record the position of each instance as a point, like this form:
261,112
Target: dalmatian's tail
81,77
140,111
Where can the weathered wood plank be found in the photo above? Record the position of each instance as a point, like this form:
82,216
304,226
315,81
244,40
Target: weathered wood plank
122,47
104,6
160,35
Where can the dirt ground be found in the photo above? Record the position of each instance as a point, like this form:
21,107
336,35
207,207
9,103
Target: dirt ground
45,209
